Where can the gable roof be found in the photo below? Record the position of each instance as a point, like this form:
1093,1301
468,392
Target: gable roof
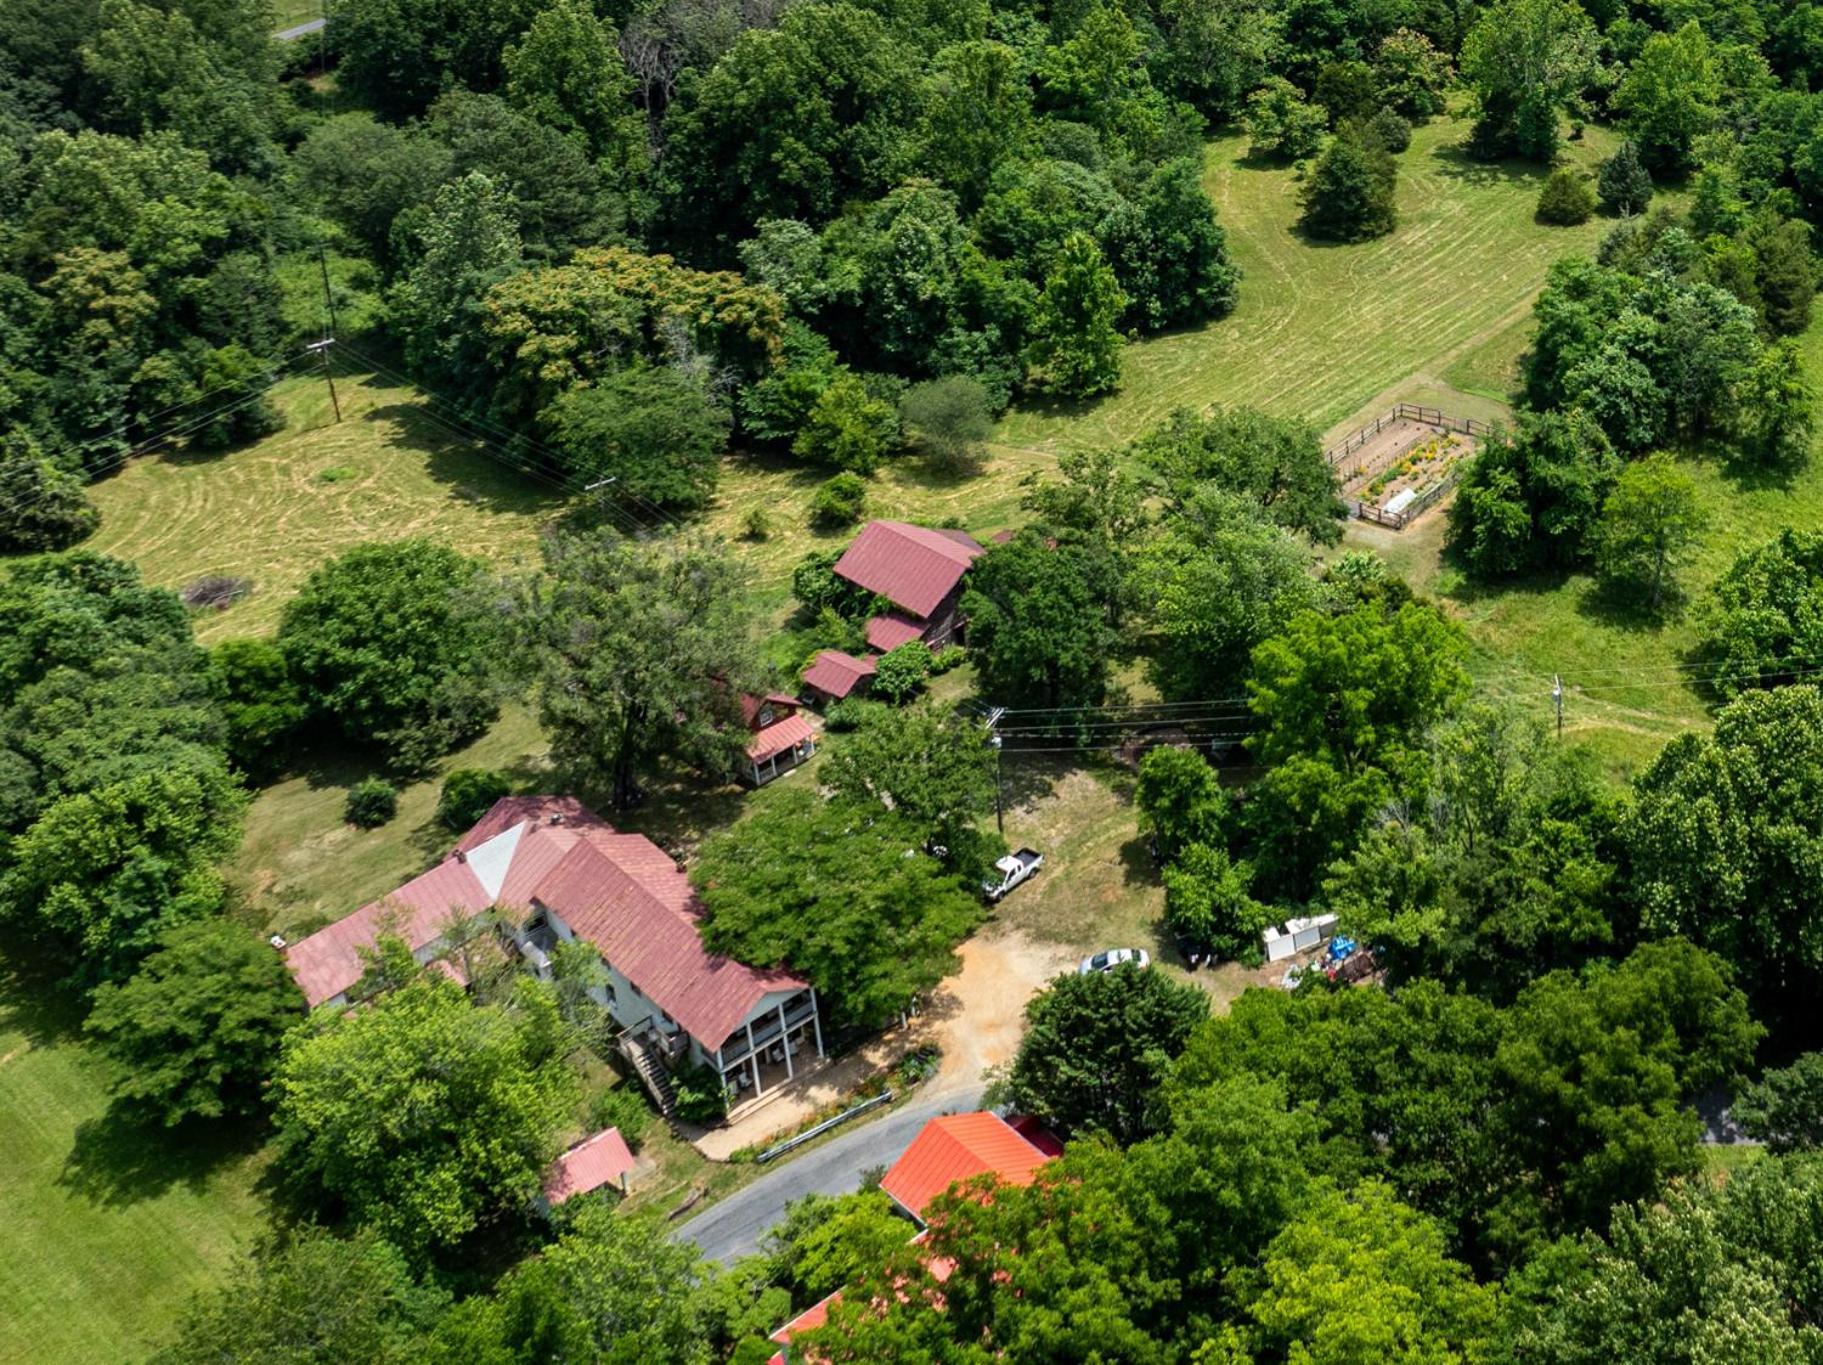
751,706
779,736
590,1164
958,1147
620,892
836,673
914,567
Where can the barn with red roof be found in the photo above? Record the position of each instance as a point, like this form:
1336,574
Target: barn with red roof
555,872
919,570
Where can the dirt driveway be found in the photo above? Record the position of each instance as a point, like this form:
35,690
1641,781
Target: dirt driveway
978,1015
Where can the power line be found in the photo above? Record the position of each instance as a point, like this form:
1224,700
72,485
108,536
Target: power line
471,419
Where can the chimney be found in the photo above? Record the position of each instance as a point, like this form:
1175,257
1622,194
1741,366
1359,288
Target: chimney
461,856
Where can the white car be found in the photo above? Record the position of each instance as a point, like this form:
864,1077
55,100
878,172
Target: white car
1112,958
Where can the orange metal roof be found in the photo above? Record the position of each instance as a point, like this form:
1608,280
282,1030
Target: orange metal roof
956,1147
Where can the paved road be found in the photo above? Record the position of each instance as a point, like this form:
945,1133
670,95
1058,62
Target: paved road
732,1228
286,35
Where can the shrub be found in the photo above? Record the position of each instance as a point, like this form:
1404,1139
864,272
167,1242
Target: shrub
839,501
848,714
701,1097
371,803
901,673
1390,130
468,794
757,525
623,1107
947,658
1624,183
1566,199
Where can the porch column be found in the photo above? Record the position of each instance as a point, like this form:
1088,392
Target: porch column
814,1023
790,1072
753,1060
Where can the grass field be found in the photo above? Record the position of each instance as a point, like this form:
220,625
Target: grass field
276,510
1324,331
104,1233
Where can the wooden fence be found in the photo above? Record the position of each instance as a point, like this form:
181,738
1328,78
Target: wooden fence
1403,412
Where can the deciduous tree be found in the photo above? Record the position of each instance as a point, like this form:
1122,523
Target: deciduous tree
391,643
422,1113
1649,525
640,651
196,1029
1097,1048
841,891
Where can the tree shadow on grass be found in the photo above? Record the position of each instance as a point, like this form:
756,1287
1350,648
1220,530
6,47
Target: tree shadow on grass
1456,161
1138,866
488,472
35,1000
1623,610
120,1159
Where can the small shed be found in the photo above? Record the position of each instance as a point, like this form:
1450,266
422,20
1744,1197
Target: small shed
834,675
604,1159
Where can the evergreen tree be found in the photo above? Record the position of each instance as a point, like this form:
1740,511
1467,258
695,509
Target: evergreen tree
1624,184
1350,194
1566,199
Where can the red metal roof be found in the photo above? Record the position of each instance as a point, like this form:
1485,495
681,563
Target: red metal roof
752,705
888,632
590,1164
620,892
836,673
329,961
957,1147
914,567
780,736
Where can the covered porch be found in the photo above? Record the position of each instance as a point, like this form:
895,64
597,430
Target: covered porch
770,1049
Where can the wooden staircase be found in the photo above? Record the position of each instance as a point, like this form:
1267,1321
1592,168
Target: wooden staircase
651,1072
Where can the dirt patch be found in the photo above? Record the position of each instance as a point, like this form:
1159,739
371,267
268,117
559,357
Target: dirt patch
978,1015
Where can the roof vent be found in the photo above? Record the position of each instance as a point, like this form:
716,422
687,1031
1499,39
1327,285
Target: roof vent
277,941
461,855
556,817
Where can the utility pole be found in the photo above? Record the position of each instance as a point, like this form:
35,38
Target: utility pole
993,719
601,504
322,350
322,347
1557,700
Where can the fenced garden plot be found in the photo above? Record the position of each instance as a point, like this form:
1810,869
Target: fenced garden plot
1401,464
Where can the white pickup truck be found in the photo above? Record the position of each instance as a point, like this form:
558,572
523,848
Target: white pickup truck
1013,869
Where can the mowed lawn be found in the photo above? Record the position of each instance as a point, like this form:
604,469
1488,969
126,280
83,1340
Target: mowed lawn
1323,330
276,510
103,1235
